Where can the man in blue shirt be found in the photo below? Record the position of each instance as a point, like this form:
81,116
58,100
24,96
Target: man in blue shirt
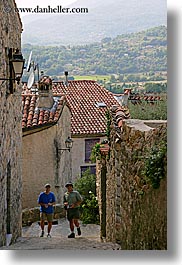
46,200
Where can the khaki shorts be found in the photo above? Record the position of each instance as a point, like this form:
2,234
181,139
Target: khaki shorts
46,216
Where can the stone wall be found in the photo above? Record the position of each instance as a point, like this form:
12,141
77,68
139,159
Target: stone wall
32,215
136,214
10,129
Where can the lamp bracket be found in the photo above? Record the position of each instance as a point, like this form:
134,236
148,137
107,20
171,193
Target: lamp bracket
12,79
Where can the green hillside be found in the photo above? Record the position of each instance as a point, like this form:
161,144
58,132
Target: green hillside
142,52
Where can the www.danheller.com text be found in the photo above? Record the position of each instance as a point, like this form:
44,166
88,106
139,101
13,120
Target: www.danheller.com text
49,9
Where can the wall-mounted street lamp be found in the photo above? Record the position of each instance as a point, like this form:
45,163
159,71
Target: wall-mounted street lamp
68,144
16,66
59,152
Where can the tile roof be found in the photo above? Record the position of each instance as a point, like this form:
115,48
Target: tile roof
32,116
83,97
104,149
118,115
45,80
137,99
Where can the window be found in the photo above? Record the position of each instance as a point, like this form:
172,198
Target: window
100,104
88,147
92,169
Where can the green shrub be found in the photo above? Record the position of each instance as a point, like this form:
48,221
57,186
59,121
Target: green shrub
89,208
95,154
145,111
155,164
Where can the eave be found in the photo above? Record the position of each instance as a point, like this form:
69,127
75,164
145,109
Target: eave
38,128
88,135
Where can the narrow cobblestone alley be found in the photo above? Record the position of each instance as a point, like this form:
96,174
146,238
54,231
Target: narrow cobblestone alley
88,240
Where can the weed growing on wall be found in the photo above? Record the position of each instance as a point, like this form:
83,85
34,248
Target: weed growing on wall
155,164
108,126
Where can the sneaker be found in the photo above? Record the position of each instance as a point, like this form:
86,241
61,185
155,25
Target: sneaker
72,235
79,231
48,235
42,234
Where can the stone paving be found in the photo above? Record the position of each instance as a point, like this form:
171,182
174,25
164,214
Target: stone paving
89,240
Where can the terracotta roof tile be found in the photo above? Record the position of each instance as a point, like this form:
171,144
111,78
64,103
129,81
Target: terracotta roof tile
82,97
33,116
137,99
118,115
104,149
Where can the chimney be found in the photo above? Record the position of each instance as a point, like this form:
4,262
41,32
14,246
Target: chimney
125,98
45,93
66,78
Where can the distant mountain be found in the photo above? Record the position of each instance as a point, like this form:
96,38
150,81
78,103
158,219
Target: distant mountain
105,18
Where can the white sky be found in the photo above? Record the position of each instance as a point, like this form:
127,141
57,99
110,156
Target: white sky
43,3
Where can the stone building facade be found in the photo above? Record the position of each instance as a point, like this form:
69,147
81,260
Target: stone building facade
10,128
132,212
